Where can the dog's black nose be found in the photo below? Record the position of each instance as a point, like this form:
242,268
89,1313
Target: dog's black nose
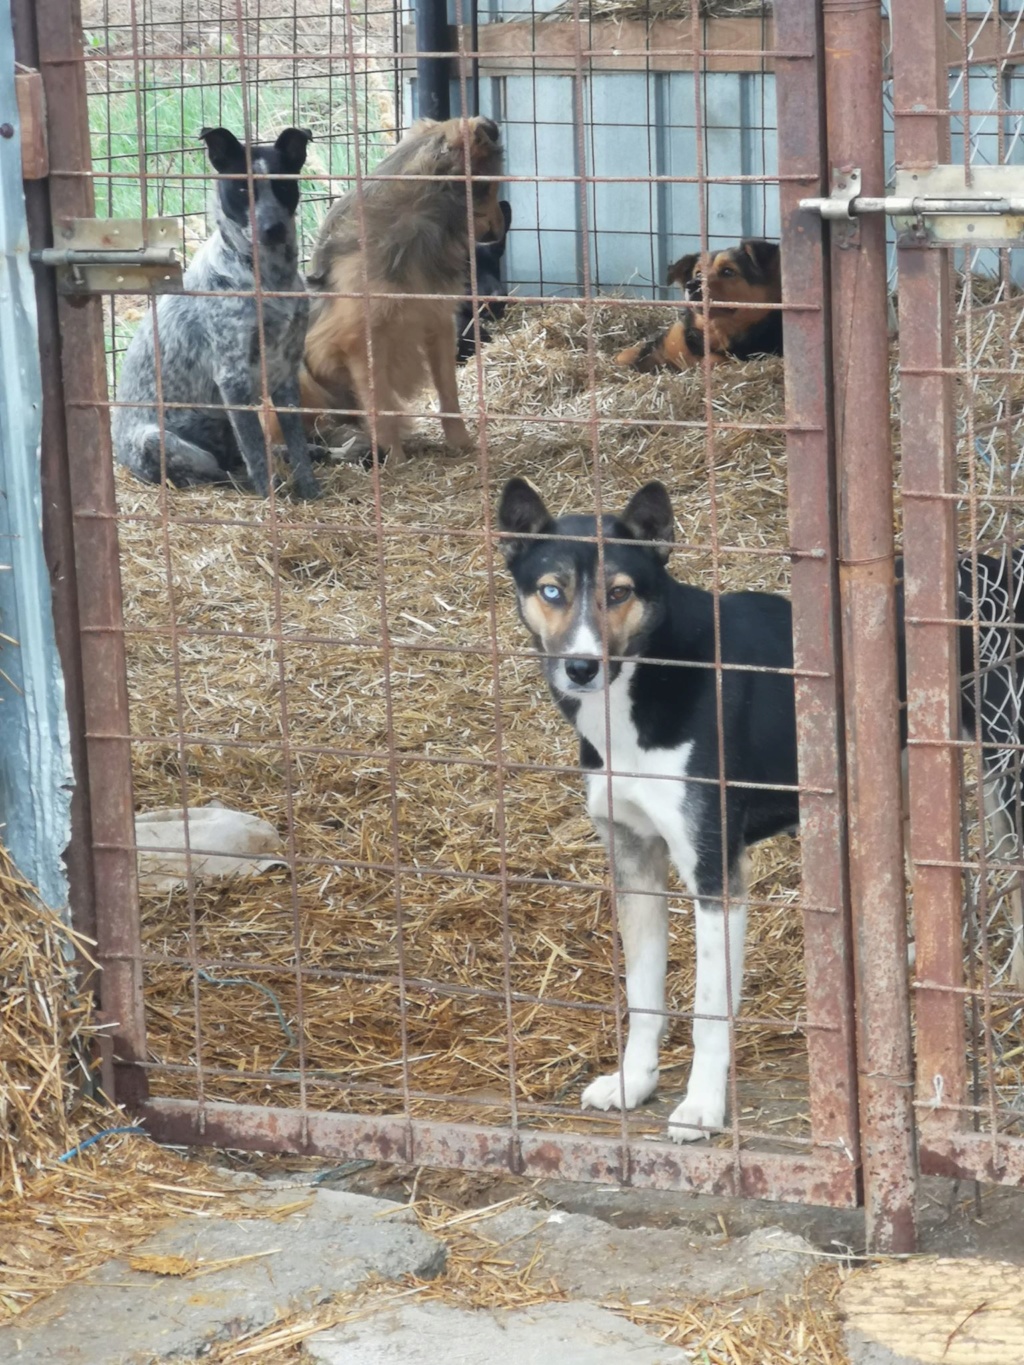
581,671
489,128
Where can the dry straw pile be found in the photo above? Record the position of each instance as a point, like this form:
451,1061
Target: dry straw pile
62,1213
372,760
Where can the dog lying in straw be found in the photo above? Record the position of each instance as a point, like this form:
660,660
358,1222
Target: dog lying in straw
209,352
647,717
396,237
747,275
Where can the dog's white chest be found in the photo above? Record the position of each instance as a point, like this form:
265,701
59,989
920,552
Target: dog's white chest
647,789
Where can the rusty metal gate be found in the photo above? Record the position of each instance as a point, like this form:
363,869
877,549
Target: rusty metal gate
430,973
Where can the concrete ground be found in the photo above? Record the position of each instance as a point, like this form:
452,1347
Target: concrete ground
314,1235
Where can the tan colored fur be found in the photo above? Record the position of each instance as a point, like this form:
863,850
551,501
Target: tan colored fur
376,354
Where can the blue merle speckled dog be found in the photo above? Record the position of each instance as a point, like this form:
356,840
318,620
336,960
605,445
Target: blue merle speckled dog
210,354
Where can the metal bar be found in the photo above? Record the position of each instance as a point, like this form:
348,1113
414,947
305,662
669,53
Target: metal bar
433,87
58,31
815,592
919,206
995,1158
822,1178
929,522
853,84
149,255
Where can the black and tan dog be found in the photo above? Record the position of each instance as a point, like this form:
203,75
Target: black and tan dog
747,274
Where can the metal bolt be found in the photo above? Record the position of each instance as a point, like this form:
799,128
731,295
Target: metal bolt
6,129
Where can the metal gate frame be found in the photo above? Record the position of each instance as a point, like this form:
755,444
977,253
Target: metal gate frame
948,1144
828,64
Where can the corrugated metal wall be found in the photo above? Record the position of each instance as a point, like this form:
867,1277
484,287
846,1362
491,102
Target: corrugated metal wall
642,123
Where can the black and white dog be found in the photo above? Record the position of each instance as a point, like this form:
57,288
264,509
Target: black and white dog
648,730
212,350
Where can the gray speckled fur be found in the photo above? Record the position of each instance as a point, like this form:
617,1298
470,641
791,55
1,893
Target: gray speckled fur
210,357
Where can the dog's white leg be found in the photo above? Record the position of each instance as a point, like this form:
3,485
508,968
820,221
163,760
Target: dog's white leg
641,875
716,1000
441,345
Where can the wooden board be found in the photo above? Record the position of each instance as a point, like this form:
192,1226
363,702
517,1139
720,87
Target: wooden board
729,44
940,1312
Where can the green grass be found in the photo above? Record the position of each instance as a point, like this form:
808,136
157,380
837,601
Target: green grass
153,128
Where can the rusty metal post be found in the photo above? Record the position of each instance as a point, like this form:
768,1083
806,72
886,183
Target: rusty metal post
815,588
929,522
853,84
81,511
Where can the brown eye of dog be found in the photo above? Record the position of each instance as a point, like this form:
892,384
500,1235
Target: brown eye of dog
727,270
619,594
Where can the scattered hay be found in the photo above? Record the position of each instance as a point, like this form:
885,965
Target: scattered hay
42,1020
286,698
479,1275
60,1215
803,1327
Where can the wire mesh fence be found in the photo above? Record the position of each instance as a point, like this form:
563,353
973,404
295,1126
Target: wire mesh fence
969,1002
429,963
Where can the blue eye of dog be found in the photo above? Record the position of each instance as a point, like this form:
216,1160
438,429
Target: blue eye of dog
552,593
619,594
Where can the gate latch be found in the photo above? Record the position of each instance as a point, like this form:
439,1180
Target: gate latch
937,207
114,256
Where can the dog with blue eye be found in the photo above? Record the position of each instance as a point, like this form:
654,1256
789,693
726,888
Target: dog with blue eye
629,654
192,379
647,716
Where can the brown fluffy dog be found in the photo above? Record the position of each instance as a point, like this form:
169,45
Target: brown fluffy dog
417,242
748,274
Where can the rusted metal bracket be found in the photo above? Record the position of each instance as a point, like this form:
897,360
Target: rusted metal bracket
114,256
31,101
937,207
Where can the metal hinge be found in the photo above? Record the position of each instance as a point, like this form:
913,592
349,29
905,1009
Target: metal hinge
114,256
936,207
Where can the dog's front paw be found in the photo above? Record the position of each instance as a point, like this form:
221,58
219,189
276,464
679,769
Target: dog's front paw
307,487
697,1117
456,435
631,1088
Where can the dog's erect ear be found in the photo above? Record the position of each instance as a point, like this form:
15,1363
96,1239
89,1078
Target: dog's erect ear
292,145
506,214
649,517
764,255
681,271
225,151
521,512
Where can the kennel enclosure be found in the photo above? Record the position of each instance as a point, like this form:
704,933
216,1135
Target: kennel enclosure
434,972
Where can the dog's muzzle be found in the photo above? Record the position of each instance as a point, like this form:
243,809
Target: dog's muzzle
274,235
582,672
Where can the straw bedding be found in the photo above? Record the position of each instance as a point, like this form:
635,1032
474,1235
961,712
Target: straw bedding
296,730
452,824
59,1218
